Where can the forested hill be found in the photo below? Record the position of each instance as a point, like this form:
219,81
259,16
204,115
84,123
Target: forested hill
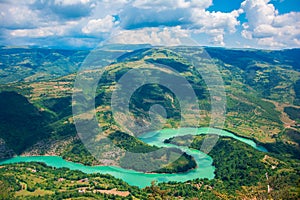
19,64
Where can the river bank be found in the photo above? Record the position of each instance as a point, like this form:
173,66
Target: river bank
204,162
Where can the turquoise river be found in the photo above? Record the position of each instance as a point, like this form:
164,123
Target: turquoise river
205,168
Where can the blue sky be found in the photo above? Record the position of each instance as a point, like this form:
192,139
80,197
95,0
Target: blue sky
267,24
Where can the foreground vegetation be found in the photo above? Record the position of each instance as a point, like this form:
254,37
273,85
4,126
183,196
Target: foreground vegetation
36,181
241,171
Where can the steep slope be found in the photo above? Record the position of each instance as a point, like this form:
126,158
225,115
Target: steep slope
21,123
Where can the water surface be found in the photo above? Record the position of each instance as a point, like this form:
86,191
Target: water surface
205,168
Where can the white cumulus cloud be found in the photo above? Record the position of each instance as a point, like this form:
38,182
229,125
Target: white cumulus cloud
103,25
215,24
269,28
14,16
40,32
71,2
167,36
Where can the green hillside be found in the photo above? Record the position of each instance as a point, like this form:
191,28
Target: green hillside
262,103
21,124
35,64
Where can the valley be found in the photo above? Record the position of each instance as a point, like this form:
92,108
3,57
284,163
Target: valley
262,106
